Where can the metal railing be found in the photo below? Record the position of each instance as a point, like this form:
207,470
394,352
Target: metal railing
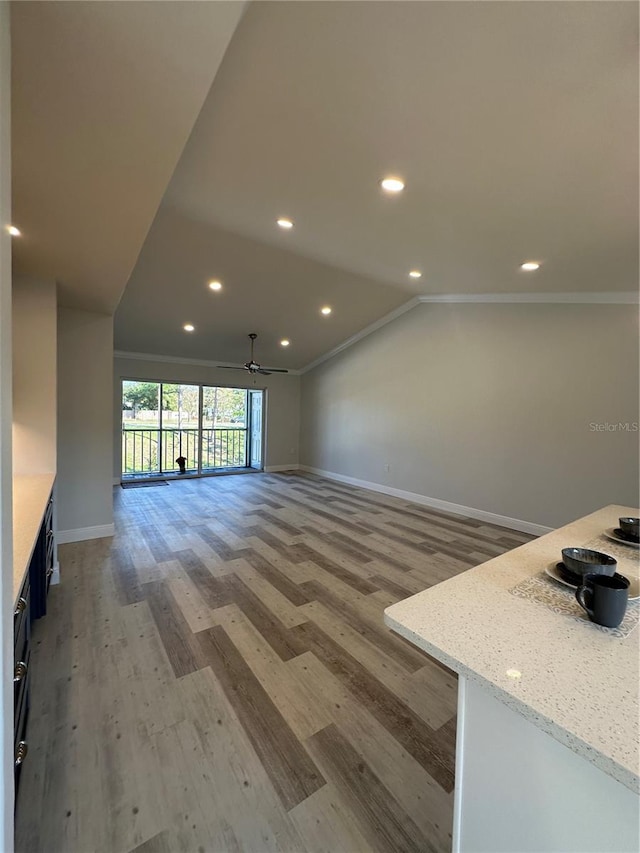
179,442
224,448
154,451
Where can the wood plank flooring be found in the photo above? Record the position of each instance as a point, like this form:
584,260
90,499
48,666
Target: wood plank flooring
217,677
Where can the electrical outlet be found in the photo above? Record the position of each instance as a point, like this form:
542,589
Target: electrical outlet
387,467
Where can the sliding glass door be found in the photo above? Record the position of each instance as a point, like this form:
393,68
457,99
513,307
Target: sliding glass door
170,428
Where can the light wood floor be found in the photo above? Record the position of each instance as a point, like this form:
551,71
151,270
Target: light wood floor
217,677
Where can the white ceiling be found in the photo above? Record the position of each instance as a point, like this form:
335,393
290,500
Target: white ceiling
104,97
267,289
514,126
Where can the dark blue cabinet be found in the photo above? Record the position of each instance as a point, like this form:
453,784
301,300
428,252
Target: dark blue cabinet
30,605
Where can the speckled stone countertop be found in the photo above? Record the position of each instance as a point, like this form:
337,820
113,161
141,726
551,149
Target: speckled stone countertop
575,682
30,495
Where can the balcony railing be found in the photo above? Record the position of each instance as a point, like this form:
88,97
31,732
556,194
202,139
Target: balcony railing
147,451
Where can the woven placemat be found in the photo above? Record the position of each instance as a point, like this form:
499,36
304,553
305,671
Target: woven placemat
624,554
541,589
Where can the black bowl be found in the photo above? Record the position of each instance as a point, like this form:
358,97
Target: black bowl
630,526
582,561
626,537
568,576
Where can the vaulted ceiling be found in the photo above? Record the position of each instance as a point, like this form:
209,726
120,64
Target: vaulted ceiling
513,125
104,97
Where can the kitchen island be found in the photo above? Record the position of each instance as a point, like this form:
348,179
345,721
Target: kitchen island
547,749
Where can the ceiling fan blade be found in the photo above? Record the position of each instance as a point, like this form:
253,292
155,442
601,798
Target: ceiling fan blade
253,366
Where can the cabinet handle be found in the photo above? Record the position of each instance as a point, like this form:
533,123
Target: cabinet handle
49,534
19,672
21,752
49,572
21,605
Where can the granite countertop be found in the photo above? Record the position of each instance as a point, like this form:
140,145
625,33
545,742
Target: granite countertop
30,495
572,679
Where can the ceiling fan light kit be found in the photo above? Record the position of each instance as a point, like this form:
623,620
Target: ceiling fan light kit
253,366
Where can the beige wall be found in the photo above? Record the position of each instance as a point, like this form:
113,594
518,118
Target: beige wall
282,401
34,376
485,405
6,549
85,424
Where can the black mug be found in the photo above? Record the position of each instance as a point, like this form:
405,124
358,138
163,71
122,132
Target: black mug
604,598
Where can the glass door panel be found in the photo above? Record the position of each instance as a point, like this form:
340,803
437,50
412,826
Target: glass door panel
224,428
255,455
140,428
180,424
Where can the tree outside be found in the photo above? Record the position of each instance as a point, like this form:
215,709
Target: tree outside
140,397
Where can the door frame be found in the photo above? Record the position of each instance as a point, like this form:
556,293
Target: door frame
200,473
263,427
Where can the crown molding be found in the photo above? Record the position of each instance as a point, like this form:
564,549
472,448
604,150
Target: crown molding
174,359
388,318
617,298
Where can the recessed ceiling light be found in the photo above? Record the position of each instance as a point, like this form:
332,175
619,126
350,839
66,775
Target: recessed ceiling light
189,328
392,185
284,342
215,285
326,310
15,232
415,274
285,223
530,266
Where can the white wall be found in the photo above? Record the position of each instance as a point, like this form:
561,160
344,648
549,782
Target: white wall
485,405
6,537
34,376
85,425
282,401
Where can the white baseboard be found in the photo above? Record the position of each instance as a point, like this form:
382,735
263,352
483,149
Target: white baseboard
83,533
444,506
55,575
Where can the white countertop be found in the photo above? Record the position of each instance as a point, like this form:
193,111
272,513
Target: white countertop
576,682
30,495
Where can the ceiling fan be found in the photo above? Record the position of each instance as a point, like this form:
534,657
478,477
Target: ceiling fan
252,366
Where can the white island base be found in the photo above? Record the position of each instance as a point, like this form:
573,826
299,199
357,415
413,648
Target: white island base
519,789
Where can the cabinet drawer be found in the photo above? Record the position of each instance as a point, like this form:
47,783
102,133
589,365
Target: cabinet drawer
21,678
20,746
48,515
21,644
21,618
50,543
38,576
